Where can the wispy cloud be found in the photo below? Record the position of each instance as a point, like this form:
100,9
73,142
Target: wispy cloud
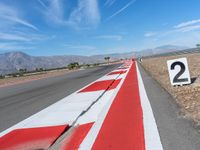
109,3
188,23
12,46
110,37
22,37
80,47
11,15
53,11
12,37
150,34
185,33
189,28
122,9
85,15
180,28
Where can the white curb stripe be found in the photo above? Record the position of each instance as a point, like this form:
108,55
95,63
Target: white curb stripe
93,114
152,137
92,134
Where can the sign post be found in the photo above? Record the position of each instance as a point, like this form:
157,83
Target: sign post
178,71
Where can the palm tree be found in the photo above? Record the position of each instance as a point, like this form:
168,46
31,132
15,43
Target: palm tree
198,45
107,59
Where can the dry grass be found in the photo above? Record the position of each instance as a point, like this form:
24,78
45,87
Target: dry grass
17,80
188,97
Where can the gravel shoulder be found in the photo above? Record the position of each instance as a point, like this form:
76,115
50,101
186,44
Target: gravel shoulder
187,97
176,132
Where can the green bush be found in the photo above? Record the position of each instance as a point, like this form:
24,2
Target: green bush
74,65
2,76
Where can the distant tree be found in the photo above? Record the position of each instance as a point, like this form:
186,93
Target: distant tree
2,76
73,65
87,65
96,64
14,75
21,72
198,45
107,59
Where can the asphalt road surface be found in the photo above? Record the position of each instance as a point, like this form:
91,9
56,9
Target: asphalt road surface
20,101
176,132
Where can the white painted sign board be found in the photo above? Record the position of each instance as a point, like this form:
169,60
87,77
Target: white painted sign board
178,71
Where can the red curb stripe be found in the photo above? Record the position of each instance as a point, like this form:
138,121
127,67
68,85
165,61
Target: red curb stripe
123,125
31,138
117,72
73,142
101,85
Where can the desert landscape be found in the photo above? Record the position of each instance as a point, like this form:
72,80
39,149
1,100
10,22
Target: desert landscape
28,78
188,96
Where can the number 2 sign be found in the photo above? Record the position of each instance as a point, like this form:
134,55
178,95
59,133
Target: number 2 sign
178,71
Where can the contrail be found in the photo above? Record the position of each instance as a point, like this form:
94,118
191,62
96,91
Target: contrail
122,9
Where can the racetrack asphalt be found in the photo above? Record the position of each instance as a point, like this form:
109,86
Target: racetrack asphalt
18,102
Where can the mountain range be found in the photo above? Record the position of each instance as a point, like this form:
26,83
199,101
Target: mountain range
13,61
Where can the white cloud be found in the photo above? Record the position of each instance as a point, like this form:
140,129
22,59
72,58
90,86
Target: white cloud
13,37
84,16
22,37
188,23
189,28
180,28
53,11
110,37
150,34
109,3
14,47
10,15
122,9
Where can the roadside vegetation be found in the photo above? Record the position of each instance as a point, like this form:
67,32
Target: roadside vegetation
72,66
107,59
23,75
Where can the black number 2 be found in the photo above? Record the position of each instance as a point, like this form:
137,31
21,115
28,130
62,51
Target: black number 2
177,77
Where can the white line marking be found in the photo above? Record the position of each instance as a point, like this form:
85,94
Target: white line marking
93,114
152,137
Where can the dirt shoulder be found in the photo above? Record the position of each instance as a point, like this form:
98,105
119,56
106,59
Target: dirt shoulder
188,97
17,80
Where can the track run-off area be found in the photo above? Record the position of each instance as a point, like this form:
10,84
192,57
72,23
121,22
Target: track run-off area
110,112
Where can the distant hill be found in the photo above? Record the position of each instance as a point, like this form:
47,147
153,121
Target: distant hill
161,50
13,61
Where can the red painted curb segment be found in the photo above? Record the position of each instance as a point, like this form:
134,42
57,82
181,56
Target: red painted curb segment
73,142
123,125
102,85
31,138
117,72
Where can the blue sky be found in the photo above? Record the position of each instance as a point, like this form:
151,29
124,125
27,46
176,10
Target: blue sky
88,27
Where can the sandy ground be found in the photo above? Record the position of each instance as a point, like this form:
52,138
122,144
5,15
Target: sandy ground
17,80
188,97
